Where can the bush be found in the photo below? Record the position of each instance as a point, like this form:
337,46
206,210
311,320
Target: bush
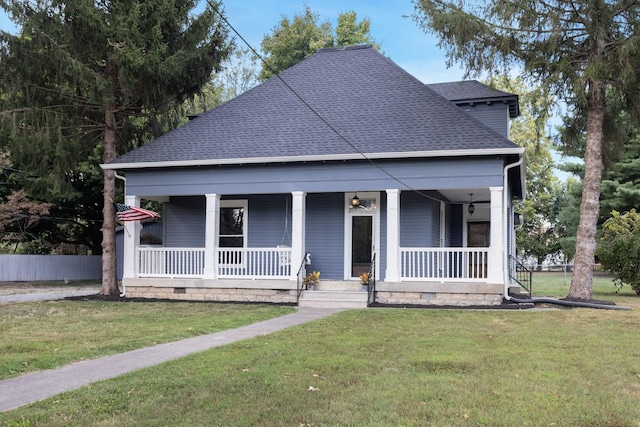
619,249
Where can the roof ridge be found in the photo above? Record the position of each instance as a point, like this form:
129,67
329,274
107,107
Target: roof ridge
341,48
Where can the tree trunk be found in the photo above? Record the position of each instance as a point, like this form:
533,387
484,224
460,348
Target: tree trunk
109,273
582,280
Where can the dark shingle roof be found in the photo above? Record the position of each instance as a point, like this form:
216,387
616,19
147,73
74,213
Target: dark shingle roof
373,103
470,91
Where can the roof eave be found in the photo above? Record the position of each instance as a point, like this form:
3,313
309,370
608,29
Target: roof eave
316,158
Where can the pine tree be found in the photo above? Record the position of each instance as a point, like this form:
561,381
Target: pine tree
81,73
584,52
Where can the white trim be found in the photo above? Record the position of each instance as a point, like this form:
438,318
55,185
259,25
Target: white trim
392,273
443,224
211,232
298,215
131,241
317,158
496,240
238,203
351,212
235,203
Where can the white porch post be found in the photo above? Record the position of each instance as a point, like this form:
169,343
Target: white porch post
393,236
211,233
131,242
298,214
496,250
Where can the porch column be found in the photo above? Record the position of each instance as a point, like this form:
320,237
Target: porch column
298,214
211,233
392,273
496,251
131,241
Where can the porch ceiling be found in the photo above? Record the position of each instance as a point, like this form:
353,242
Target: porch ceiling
461,195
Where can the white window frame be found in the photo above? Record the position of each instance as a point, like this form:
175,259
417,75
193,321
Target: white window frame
350,212
235,203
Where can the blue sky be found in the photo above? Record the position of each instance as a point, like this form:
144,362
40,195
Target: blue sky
400,38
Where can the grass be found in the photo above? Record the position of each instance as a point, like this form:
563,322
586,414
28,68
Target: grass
385,367
557,285
45,335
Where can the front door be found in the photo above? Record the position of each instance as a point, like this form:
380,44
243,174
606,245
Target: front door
361,233
361,244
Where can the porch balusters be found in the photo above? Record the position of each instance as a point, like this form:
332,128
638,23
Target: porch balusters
451,264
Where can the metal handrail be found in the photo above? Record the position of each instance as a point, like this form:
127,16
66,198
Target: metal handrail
302,271
371,297
520,274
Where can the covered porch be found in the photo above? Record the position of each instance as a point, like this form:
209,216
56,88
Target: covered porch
402,268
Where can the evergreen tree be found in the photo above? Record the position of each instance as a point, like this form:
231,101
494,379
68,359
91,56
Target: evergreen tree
621,182
585,52
86,75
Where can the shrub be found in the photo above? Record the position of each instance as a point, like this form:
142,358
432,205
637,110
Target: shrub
619,249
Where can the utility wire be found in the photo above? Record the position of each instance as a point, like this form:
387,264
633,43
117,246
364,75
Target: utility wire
334,130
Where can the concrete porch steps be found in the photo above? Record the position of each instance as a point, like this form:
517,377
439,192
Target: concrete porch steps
334,294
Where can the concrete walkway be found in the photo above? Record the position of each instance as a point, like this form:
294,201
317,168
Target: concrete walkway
16,392
45,296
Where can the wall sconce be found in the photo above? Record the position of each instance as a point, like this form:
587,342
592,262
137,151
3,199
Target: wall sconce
355,202
472,208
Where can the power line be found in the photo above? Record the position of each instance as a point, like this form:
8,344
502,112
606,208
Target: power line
356,149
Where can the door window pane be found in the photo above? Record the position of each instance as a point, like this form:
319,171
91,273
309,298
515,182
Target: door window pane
361,244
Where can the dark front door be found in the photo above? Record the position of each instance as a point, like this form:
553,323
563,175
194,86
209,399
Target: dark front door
361,244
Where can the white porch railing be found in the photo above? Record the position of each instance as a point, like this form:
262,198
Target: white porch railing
237,263
450,264
170,262
254,263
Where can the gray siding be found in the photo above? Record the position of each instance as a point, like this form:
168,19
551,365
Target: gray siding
495,116
185,220
325,234
455,226
269,220
435,173
416,220
435,224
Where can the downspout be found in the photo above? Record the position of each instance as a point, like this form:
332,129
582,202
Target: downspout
122,294
505,220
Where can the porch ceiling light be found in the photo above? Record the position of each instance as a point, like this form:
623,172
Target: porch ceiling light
472,208
355,202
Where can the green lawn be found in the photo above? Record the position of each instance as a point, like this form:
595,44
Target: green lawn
384,367
45,335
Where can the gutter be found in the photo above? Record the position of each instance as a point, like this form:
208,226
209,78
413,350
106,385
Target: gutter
318,158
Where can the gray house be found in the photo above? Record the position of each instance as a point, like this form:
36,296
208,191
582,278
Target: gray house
349,159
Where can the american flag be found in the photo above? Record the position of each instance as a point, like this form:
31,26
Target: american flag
131,213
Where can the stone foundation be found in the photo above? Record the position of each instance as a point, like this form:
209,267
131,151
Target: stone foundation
274,296
437,299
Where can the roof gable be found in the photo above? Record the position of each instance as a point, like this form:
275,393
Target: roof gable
339,102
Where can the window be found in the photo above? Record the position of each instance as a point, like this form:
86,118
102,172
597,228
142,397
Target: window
478,234
233,230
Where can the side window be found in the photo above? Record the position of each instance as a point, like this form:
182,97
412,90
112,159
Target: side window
478,234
